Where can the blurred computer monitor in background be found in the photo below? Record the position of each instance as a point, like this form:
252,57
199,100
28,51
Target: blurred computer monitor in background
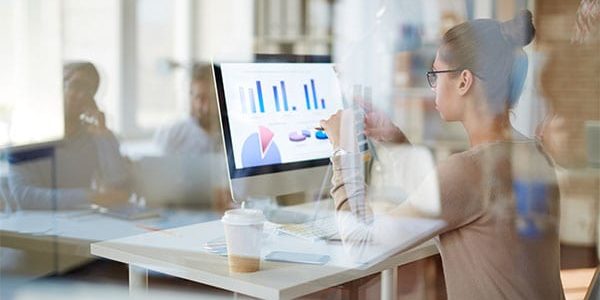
190,181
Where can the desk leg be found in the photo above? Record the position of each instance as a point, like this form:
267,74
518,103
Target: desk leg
389,284
138,279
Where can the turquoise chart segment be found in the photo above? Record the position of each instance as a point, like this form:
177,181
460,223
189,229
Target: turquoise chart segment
321,135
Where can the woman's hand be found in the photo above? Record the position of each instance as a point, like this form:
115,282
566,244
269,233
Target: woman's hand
340,130
380,128
95,121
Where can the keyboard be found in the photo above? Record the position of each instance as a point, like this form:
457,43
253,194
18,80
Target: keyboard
320,229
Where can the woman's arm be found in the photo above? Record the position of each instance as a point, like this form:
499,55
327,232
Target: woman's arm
30,183
114,169
379,127
31,190
451,192
353,212
444,194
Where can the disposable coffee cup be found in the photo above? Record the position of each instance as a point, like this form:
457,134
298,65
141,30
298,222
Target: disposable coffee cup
243,235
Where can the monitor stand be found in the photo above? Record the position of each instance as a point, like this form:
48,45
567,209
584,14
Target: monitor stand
275,213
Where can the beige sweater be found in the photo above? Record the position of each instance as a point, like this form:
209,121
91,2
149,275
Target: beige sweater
490,249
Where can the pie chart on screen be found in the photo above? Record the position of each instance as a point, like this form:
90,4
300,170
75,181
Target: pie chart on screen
259,149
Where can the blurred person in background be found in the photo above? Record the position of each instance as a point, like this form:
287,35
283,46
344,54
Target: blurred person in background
499,199
569,84
198,133
89,166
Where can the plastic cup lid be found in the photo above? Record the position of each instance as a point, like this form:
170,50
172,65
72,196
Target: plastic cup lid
243,216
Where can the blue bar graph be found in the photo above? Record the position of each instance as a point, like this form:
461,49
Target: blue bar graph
314,93
261,103
243,100
280,98
252,103
306,95
285,103
276,98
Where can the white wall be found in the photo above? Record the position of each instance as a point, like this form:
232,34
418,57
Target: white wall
225,30
363,46
30,72
91,31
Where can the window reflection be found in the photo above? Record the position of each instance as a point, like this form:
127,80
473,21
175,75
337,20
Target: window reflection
517,187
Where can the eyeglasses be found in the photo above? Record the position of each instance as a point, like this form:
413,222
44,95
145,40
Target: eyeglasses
432,76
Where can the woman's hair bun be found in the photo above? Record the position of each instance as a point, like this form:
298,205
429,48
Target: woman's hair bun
519,31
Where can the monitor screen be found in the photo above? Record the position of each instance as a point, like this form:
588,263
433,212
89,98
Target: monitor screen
270,111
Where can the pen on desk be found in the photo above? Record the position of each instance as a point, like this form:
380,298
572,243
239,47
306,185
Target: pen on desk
154,229
78,214
333,240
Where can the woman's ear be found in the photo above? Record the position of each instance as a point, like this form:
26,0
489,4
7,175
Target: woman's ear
465,82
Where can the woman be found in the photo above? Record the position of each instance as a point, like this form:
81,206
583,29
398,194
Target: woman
494,244
89,168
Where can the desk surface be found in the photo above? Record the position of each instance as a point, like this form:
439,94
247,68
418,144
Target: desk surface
76,230
178,252
62,239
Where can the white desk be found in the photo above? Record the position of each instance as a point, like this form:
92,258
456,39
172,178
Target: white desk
66,235
178,252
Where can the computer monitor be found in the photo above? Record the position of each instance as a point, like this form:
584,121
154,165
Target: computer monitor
269,112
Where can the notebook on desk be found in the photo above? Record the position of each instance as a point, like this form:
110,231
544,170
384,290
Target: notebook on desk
397,234
387,236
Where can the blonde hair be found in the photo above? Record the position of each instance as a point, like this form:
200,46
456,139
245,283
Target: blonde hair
493,51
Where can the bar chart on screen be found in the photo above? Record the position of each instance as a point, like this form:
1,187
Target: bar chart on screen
253,98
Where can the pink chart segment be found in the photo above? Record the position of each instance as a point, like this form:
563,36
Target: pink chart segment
260,150
266,136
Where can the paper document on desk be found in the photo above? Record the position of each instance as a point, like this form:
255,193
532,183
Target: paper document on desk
387,236
367,245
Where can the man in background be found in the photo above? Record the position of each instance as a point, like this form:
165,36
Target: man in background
199,132
195,137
